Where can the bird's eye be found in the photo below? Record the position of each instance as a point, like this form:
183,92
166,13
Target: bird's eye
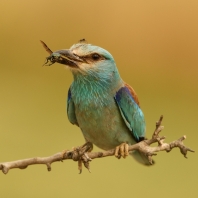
95,57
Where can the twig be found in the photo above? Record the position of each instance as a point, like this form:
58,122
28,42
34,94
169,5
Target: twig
82,155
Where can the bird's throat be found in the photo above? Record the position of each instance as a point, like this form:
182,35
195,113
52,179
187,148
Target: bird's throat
88,90
93,89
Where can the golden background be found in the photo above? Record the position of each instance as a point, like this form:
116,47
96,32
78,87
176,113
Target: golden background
155,45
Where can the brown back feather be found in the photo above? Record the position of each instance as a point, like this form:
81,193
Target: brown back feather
132,91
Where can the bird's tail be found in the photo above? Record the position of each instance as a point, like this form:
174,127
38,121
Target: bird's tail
141,158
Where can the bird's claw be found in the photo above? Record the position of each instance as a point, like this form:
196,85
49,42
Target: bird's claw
80,155
122,150
85,159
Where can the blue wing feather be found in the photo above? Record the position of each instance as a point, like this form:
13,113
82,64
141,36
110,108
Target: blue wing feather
131,113
71,109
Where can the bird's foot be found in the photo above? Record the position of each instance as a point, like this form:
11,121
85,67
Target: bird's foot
80,155
122,150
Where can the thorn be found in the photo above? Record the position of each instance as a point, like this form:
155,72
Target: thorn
48,167
80,166
191,150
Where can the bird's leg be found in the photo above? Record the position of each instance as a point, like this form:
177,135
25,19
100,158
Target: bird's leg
122,150
90,145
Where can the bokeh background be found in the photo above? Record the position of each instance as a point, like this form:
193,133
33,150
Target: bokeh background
155,45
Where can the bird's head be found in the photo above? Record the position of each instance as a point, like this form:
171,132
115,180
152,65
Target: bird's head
84,59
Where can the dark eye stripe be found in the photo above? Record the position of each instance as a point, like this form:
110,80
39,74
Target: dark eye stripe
93,57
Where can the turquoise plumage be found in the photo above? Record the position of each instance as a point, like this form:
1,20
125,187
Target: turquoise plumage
104,107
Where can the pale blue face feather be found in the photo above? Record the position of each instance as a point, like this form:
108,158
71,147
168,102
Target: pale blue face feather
101,68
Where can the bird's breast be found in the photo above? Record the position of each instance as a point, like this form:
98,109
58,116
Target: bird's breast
100,121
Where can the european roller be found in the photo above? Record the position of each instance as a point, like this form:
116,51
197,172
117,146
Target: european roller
100,103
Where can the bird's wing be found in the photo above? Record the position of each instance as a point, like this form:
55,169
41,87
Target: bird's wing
71,109
128,104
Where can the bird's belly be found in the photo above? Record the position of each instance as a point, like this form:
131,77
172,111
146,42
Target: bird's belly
103,126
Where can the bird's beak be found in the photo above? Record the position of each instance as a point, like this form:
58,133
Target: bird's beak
65,57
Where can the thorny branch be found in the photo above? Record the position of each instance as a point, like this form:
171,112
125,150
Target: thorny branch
83,156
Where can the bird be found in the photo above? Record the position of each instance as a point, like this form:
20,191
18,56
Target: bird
104,107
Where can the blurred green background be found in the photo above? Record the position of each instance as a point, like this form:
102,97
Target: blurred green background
155,45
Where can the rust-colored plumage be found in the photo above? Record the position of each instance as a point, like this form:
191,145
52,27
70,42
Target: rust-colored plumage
132,91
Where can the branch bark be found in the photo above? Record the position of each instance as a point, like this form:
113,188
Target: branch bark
83,156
